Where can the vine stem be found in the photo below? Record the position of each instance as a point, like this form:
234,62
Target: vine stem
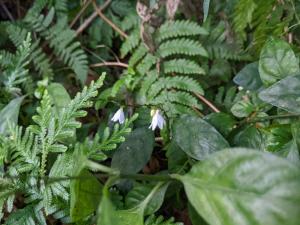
261,119
141,177
114,26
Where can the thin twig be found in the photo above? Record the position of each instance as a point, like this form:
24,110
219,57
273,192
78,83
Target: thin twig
7,11
208,103
80,13
90,19
109,64
109,22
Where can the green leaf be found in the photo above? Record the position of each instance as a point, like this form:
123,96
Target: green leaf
108,215
205,9
277,61
176,158
244,187
59,95
290,152
140,193
135,152
249,77
195,218
85,195
249,137
182,66
284,94
223,122
197,138
9,115
242,108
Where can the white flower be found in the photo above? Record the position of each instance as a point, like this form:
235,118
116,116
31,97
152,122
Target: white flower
119,116
157,120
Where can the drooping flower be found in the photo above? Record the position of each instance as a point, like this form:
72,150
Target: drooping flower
119,116
157,120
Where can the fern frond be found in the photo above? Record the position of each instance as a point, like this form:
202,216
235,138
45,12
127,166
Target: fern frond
26,216
146,64
179,28
181,46
37,56
182,66
177,82
129,22
179,97
110,140
66,121
61,39
138,55
242,16
130,43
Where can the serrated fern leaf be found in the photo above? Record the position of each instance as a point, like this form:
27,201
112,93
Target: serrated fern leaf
181,46
182,66
179,29
130,43
138,55
243,16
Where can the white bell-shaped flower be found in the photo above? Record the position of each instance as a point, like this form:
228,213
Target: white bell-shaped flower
157,120
119,116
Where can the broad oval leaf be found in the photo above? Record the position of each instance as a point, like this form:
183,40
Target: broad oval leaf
85,195
197,138
135,152
244,187
59,96
249,77
140,193
277,60
9,115
284,94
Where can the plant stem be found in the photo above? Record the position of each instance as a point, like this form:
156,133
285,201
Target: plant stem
146,177
261,119
110,64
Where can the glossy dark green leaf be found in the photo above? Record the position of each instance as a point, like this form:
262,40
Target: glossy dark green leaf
277,61
284,94
108,215
242,108
244,187
290,151
197,138
85,196
249,137
59,96
176,158
249,77
276,136
9,115
135,152
223,122
195,218
140,192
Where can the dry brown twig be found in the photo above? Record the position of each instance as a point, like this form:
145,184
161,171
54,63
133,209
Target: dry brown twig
90,19
124,65
208,103
109,22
